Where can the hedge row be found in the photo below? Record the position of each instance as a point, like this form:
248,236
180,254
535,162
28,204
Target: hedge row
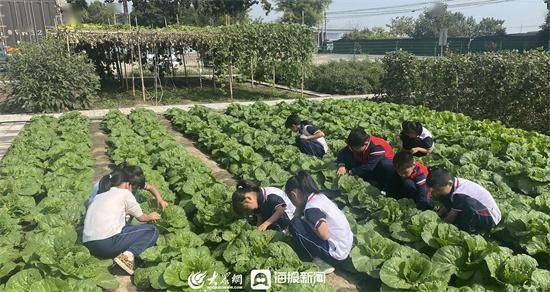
511,87
346,77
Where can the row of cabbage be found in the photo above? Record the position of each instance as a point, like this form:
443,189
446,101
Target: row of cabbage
45,180
215,131
526,221
212,240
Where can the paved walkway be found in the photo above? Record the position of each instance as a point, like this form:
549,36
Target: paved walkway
8,132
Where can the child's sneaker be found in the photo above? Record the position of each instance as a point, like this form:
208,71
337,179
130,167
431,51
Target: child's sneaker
326,268
125,263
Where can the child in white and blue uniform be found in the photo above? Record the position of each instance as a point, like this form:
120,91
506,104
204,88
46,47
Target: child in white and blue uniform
320,229
466,204
310,140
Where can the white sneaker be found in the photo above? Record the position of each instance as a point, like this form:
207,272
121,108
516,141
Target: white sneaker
326,268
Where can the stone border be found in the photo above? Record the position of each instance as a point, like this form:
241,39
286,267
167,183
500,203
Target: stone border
99,114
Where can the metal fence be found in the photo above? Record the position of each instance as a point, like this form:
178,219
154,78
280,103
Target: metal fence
430,47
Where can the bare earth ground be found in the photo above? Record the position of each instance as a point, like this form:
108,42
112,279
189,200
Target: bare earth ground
339,281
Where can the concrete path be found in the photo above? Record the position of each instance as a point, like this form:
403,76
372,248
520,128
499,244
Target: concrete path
8,132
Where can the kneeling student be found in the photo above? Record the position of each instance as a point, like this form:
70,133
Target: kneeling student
273,208
324,234
368,157
106,234
466,204
310,140
416,139
411,179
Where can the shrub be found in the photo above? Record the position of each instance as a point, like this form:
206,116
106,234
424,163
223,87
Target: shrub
511,87
45,78
346,77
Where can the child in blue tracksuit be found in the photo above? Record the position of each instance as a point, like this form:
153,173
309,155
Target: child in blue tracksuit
410,180
310,140
320,229
466,204
272,207
368,157
415,138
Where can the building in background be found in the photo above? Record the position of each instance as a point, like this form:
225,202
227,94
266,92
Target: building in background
27,20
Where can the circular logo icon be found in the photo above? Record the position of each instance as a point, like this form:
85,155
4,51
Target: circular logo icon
196,280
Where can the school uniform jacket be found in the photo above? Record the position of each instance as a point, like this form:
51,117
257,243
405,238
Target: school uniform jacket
270,199
376,150
320,209
468,196
308,129
424,140
418,176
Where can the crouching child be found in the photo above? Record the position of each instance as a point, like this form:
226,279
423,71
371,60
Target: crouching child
466,204
320,230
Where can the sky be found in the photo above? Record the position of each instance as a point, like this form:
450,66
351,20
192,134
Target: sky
519,15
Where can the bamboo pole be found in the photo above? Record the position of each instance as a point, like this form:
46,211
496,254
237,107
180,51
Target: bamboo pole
125,75
273,85
184,66
302,91
200,69
132,72
231,77
172,66
140,66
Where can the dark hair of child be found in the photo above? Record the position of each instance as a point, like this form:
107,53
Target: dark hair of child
357,137
438,178
403,159
412,127
293,119
303,182
243,187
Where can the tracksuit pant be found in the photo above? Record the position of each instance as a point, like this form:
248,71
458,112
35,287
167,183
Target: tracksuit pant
310,147
133,238
308,245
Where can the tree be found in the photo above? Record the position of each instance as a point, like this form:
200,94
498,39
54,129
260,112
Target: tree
368,34
78,5
490,26
98,12
432,21
193,12
312,10
55,82
124,8
402,26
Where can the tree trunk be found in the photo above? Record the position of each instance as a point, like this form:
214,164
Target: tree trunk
125,10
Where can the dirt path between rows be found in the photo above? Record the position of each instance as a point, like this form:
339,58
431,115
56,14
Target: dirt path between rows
102,167
192,148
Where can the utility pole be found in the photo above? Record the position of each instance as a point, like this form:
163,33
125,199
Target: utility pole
548,22
325,29
303,17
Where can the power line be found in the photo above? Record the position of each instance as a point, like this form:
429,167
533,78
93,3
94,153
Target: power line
386,10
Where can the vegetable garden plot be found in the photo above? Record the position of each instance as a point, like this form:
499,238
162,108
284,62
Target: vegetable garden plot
212,240
46,178
396,219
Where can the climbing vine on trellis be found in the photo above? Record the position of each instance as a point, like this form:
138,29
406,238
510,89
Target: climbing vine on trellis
283,50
